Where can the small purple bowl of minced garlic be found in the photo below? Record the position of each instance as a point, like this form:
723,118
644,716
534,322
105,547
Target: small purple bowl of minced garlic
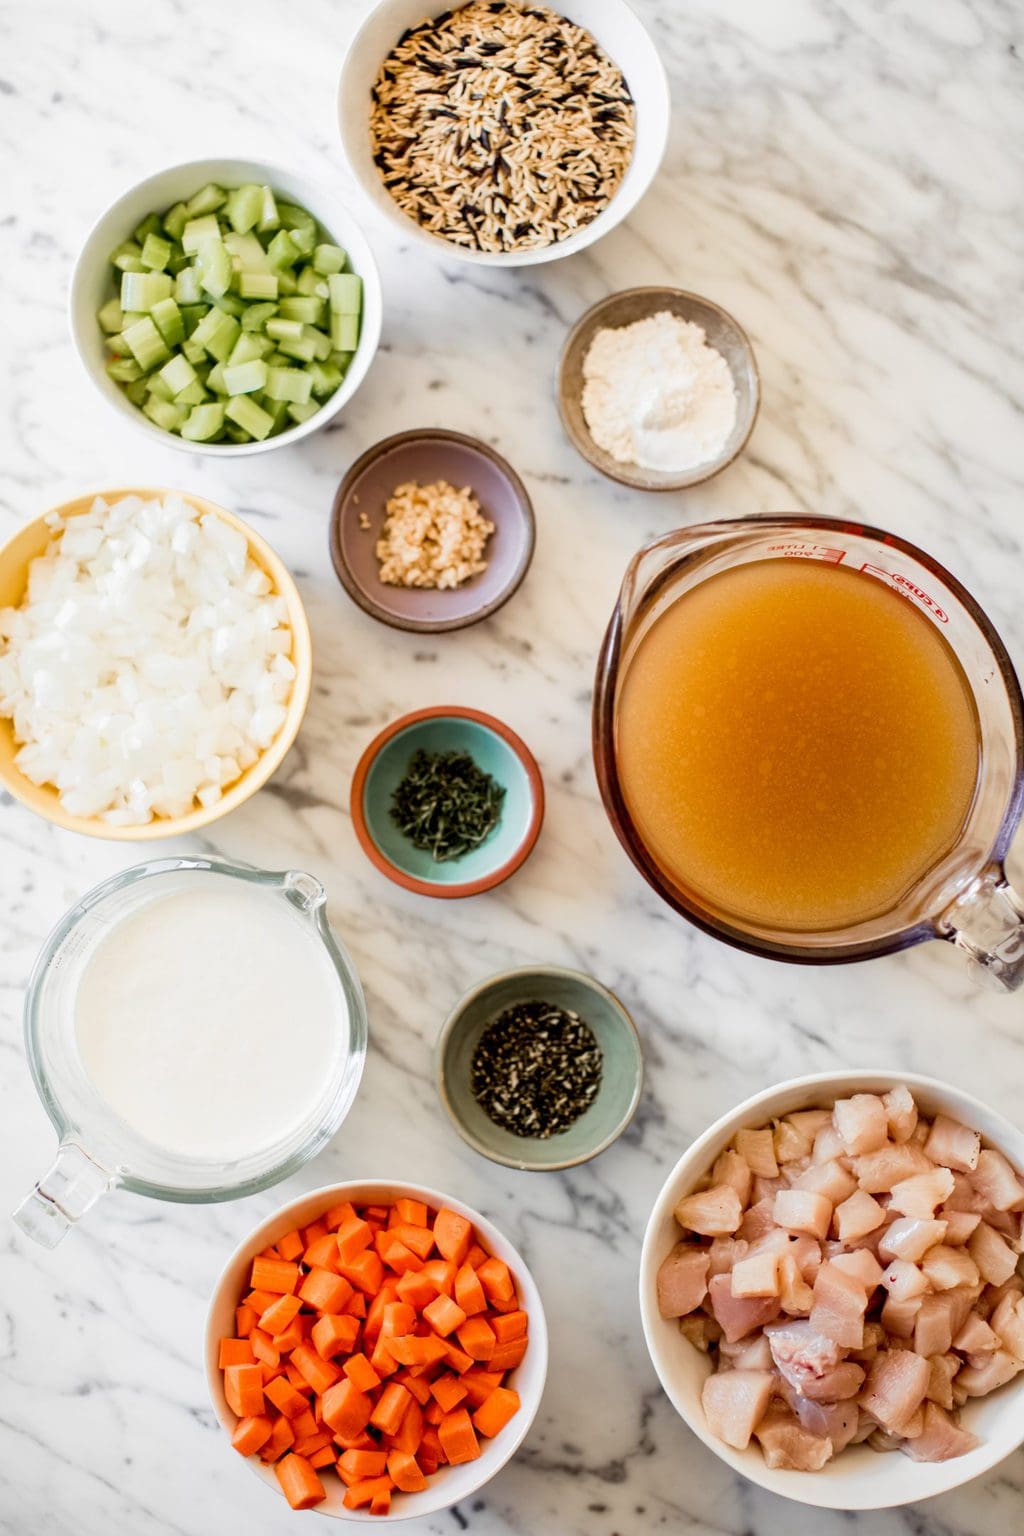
658,388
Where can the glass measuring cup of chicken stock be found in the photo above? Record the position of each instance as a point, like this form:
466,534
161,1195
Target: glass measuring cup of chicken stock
100,1149
963,896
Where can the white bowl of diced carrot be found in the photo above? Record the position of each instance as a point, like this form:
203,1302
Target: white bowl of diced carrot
376,1349
978,1431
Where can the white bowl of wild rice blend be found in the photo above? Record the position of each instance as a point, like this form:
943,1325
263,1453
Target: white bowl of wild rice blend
500,132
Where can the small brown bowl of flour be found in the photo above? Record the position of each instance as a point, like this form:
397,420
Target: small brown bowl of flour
658,388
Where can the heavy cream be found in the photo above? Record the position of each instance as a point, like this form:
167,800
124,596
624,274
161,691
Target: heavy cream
212,1020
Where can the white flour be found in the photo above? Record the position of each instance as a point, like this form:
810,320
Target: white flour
656,395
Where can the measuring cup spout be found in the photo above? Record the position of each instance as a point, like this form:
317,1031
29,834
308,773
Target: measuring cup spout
72,1185
987,923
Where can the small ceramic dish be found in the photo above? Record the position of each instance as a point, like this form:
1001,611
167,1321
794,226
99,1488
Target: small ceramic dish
621,1080
32,540
619,309
449,1485
425,456
495,749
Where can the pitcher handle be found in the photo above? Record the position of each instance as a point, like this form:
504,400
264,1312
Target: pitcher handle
71,1186
987,923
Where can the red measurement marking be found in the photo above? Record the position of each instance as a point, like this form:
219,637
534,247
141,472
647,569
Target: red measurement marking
907,588
798,550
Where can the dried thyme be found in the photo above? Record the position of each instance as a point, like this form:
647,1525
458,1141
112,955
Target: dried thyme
536,1069
445,804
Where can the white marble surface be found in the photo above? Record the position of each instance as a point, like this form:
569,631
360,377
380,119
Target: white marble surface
845,179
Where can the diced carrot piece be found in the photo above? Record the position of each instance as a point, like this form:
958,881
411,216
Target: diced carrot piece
249,1435
417,1385
404,1472
476,1256
496,1280
361,1373
469,1293
357,1306
235,1352
360,1464
335,1334
294,1334
323,1458
509,1326
444,1315
261,1300
243,1388
457,1358
281,1437
264,1349
380,1504
310,1234
275,1275
285,1398
389,1412
433,1412
493,1414
299,1482
442,1272
379,1213
430,1448
512,1305
449,1391
305,1425
366,1492
477,1338
399,1319
507,1356
375,1310
246,1319
412,1213
410,1432
324,1291
290,1246
366,1272
338,1215
413,1350
353,1237
419,1240
295,1376
382,1360
270,1252
479,1386
360,1442
458,1437
345,1409
312,1366
398,1257
453,1235
415,1288
310,1444
323,1254
279,1314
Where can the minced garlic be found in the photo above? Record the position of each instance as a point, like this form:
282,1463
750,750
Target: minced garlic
433,536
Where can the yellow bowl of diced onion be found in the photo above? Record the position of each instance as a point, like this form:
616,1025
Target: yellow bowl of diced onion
15,559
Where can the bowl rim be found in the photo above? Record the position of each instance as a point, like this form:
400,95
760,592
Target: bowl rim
454,1018
369,272
625,474
270,759
413,883
387,209
363,1189
813,1491
363,597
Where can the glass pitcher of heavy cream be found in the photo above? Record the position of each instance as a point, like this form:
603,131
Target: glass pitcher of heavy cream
196,1033
810,740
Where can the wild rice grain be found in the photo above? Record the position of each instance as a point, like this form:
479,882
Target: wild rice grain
497,95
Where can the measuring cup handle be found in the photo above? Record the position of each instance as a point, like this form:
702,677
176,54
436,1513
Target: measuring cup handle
72,1185
987,923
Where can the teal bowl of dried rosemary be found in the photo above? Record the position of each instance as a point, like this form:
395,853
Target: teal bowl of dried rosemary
539,1068
447,801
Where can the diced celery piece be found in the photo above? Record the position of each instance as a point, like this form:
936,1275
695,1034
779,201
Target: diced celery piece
251,417
177,261
324,379
309,310
217,332
126,257
155,385
214,263
277,410
257,285
175,220
192,394
269,217
294,217
246,349
198,230
236,434
191,315
194,351
111,316
204,423
245,204
247,255
328,259
230,305
215,379
257,315
305,239
346,293
149,226
136,391
187,287
311,285
344,332
287,384
284,330
145,343
168,321
178,374
124,369
287,282
341,361
165,413
156,252
141,290
304,349
245,378
299,412
207,200
321,343
282,250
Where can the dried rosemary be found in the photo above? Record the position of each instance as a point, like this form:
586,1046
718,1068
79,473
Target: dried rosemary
536,1069
445,804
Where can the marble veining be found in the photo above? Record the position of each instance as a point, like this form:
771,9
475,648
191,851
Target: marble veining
845,179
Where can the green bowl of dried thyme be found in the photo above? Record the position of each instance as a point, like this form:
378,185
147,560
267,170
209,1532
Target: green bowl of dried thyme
539,1068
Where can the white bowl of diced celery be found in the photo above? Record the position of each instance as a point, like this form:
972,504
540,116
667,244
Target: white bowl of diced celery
226,305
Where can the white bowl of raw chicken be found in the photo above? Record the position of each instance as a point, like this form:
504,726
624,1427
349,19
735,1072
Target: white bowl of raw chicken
859,1477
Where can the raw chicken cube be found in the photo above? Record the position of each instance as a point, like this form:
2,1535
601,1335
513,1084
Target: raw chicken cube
877,1172
682,1280
910,1239
758,1219
830,1179
801,1210
896,1385
810,1122
900,1112
947,1267
995,1179
701,1330
712,1212
960,1225
734,1403
922,1192
857,1216
828,1145
837,1422
737,1315
786,1443
796,1295
757,1275
844,1381
750,1354
1007,1323
840,1301
935,1326
940,1382
940,1439
952,1144
903,1280
724,1253
791,1143
861,1122
976,1337
731,1169
899,1318
999,1368
862,1265
757,1148
801,1353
